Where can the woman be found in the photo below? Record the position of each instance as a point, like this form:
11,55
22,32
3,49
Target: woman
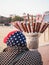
17,52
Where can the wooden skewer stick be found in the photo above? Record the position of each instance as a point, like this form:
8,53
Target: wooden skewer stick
23,27
29,27
17,26
44,27
38,25
33,27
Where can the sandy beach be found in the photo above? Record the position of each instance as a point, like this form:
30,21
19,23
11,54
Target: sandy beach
4,30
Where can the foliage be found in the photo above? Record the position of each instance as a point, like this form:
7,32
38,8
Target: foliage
4,20
17,18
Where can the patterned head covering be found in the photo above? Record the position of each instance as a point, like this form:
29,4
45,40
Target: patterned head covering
15,38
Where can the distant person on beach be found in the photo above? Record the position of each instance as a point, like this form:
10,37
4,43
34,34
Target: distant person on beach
17,52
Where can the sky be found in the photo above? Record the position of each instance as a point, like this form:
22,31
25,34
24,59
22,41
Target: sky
18,7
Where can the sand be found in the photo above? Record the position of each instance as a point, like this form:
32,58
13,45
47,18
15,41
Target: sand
4,30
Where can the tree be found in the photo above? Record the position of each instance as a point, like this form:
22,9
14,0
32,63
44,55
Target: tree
9,19
17,18
4,20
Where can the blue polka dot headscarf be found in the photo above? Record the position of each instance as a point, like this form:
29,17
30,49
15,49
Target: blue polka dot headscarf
15,38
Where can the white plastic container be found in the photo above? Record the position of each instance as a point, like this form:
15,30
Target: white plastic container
32,40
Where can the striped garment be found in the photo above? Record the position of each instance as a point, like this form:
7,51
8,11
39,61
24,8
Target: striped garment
19,56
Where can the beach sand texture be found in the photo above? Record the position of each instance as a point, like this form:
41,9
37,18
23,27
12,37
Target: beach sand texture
4,30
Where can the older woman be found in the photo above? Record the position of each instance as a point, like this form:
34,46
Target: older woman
17,52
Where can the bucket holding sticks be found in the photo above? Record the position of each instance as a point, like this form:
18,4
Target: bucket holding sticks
32,31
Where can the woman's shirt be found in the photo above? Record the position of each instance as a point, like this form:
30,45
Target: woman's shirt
20,56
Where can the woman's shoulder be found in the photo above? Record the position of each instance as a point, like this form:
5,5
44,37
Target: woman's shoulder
33,52
29,58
